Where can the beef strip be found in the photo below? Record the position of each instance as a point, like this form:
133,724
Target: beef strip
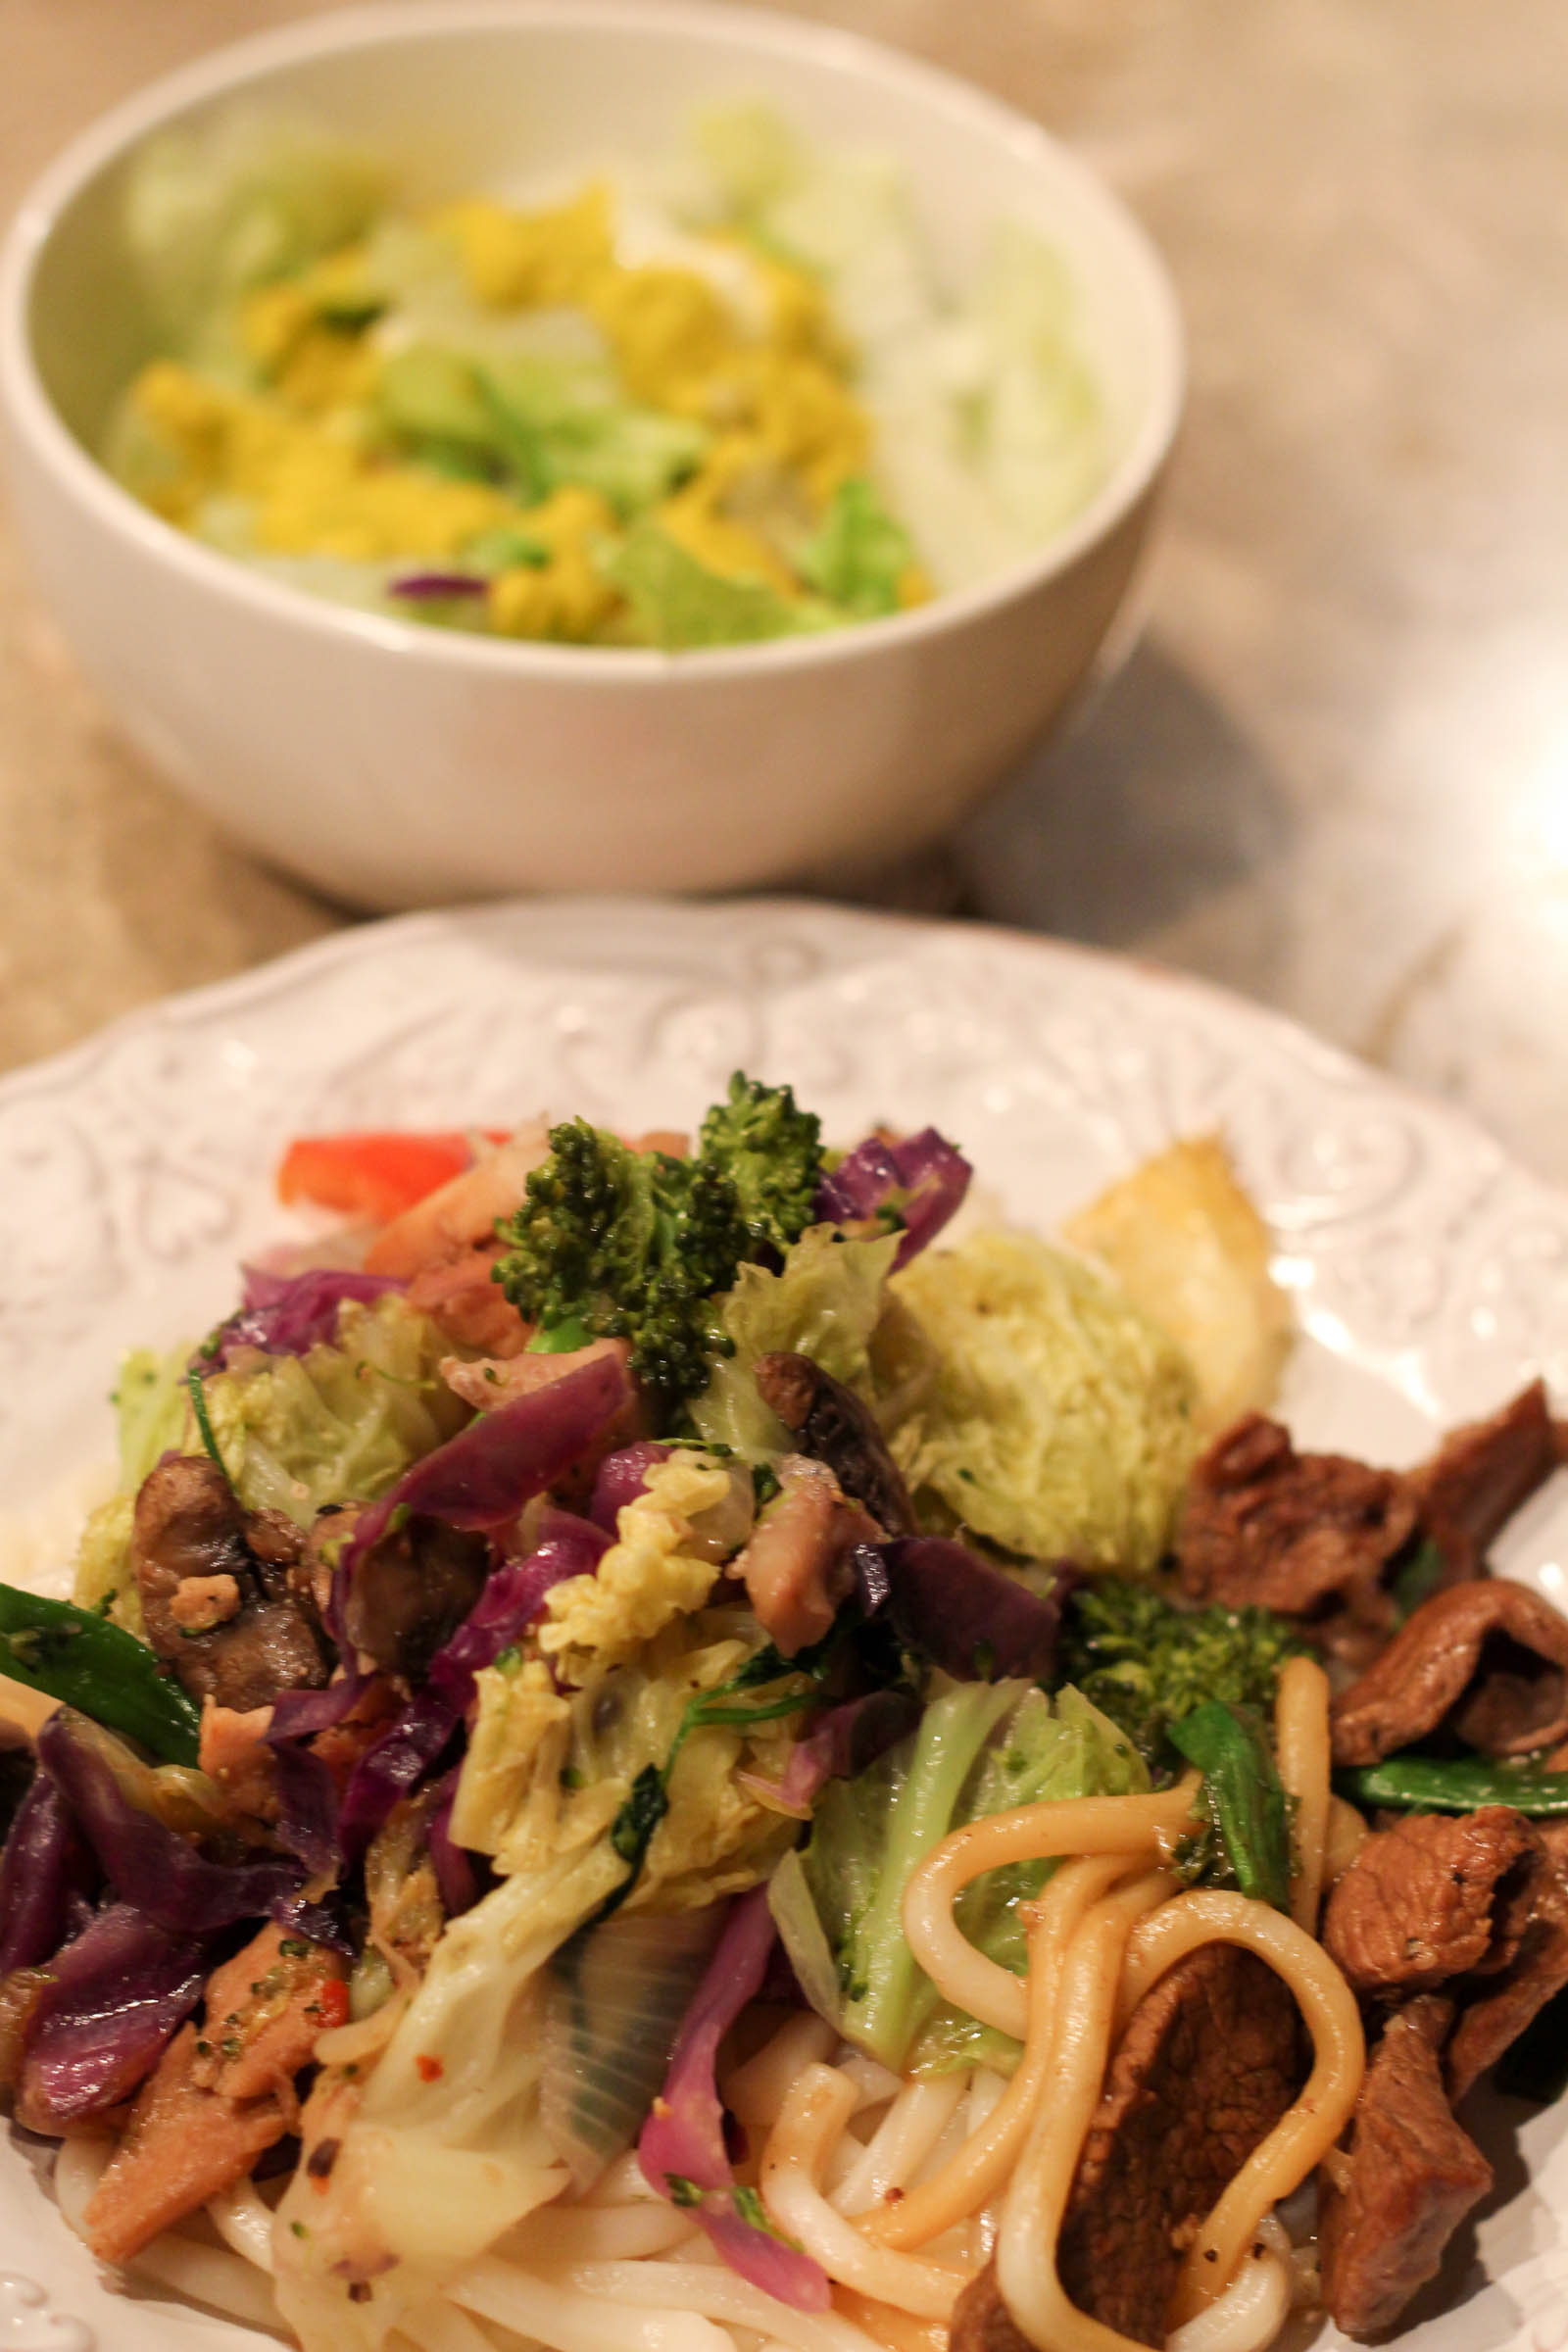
1309,1534
1432,1897
224,1595
1474,1902
1388,2207
412,1591
1486,1660
835,1426
1210,2061
1481,1475
1497,2012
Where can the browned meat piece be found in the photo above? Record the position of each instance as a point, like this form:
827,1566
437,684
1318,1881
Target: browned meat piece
1481,1475
1498,2011
1388,2208
1211,2060
981,2321
461,1296
181,2146
189,1528
1476,1903
1488,1660
235,1756
834,1427
1309,1534
223,2092
265,2008
797,1564
411,1592
1433,1897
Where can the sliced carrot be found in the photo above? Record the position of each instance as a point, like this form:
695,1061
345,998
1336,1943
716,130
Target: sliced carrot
373,1175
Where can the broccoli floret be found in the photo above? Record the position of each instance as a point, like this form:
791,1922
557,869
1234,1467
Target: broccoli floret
1146,1664
772,1151
634,1244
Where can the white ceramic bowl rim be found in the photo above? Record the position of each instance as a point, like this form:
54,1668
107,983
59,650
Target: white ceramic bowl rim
393,21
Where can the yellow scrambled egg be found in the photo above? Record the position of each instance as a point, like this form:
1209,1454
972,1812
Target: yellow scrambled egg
296,434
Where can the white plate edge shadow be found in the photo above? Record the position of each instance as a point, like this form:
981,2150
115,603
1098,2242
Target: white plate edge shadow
1432,1273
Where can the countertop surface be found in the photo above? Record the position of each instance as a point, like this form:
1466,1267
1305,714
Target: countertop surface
1334,772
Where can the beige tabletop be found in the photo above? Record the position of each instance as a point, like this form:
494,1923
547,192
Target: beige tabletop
1334,773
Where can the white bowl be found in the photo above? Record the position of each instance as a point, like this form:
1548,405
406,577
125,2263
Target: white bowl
392,764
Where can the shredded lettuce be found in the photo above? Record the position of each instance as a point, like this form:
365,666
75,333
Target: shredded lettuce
860,557
240,199
679,602
825,1301
979,1749
1058,1422
339,1424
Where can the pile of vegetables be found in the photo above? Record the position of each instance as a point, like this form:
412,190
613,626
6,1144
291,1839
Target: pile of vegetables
589,1763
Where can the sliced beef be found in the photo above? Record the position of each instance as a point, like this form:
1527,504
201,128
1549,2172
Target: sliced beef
1210,2061
224,1596
412,1591
1433,1897
1498,2010
981,2321
1309,1534
1388,2204
1481,1475
1486,1661
835,1426
1476,1903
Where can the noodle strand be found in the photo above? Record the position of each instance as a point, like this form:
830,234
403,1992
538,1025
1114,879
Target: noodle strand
1037,2200
1301,1737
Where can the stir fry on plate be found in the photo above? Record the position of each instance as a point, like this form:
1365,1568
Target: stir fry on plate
663,1746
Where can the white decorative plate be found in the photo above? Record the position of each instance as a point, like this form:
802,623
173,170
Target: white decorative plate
1431,1274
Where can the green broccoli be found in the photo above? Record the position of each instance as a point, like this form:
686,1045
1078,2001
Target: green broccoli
1146,1664
772,1151
634,1244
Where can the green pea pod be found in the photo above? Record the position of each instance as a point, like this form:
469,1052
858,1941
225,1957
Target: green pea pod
80,1658
1243,1796
1456,1785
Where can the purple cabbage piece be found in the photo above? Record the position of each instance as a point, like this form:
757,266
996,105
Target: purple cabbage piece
307,1794
481,1478
286,1314
683,2139
967,1617
512,1599
431,586
391,1767
456,1877
622,1477
844,1741
318,1922
148,1864
117,1996
47,1869
307,1806
923,1176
